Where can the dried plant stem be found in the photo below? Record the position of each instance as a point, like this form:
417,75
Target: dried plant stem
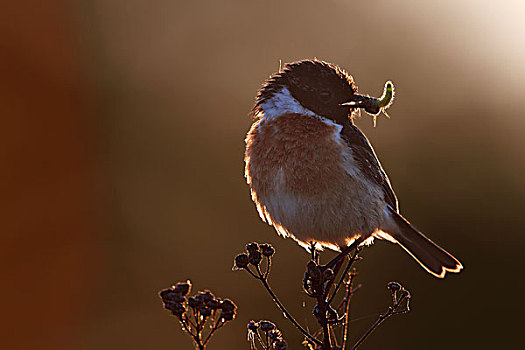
345,321
323,283
346,307
323,301
283,309
371,329
196,336
392,310
265,346
218,324
327,344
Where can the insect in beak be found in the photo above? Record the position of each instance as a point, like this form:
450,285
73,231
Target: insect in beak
373,105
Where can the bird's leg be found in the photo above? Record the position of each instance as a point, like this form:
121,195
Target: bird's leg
338,265
313,251
339,258
329,284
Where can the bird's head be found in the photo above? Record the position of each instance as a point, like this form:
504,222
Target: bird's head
317,87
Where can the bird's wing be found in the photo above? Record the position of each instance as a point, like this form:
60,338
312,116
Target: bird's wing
365,156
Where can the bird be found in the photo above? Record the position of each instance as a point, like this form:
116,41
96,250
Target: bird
313,174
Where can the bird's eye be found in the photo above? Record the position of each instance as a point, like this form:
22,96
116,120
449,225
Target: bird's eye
325,95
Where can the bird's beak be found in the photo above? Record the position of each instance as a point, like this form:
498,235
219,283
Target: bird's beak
373,105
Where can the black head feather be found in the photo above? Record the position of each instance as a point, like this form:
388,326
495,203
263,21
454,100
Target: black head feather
318,86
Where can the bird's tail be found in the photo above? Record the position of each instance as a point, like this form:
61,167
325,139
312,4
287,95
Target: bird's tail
432,257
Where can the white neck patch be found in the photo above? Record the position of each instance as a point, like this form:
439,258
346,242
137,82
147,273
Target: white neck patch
282,102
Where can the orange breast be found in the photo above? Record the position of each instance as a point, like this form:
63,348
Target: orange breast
305,183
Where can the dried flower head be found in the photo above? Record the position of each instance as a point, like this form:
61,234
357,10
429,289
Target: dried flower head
173,301
394,286
253,326
241,261
273,338
255,258
267,250
213,304
252,247
280,344
204,296
227,305
328,274
192,302
274,334
206,311
228,309
313,270
182,287
266,326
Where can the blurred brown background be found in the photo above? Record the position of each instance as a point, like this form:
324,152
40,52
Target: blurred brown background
122,144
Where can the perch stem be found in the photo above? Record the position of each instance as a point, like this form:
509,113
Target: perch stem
344,253
343,275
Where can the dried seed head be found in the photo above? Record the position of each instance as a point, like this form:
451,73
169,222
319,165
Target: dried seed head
182,287
228,315
274,334
177,309
213,304
205,311
171,295
204,296
266,326
227,305
328,274
394,286
193,302
253,326
267,250
202,305
242,261
313,270
228,310
255,258
280,344
170,304
252,247
179,298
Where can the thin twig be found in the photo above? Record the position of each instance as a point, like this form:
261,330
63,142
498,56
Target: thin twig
250,272
283,309
349,293
217,325
322,307
326,336
196,336
265,346
191,323
333,336
185,326
392,310
268,267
